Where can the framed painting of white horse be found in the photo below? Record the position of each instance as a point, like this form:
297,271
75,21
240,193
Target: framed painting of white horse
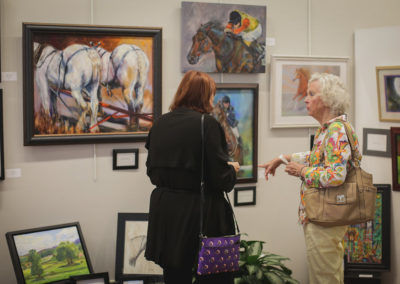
90,84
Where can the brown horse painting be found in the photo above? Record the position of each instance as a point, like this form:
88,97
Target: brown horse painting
231,53
234,147
303,75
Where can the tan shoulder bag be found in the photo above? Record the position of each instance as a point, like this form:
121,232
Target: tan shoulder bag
353,202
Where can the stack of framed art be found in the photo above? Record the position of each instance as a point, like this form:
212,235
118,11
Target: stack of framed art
49,254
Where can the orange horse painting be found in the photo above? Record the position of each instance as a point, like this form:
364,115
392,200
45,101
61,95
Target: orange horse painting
303,75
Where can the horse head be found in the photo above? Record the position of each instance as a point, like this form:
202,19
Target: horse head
203,41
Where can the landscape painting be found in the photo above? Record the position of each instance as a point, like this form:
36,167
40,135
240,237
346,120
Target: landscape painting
48,255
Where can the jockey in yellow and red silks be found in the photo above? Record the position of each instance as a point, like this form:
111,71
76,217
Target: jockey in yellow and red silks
246,26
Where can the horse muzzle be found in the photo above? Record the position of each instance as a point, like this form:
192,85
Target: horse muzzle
192,59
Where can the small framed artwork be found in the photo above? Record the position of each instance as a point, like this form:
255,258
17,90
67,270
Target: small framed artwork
1,137
49,254
388,84
211,43
131,243
245,196
289,83
367,245
236,108
395,140
94,278
376,142
124,159
90,84
154,279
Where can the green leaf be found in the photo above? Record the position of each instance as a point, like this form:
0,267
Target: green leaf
273,278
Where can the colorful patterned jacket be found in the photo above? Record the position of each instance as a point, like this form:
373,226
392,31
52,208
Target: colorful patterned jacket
329,168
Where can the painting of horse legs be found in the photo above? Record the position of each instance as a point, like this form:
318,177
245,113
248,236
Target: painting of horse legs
94,83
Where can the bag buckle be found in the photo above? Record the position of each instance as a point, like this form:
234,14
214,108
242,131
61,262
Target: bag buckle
340,198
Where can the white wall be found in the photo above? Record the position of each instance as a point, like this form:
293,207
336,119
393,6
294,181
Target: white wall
377,47
60,184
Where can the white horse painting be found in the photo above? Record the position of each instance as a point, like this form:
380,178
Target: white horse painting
75,69
126,67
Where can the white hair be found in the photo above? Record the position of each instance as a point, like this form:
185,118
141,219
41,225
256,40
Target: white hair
332,91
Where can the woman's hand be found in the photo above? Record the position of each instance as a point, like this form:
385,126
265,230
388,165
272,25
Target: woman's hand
235,165
294,169
271,166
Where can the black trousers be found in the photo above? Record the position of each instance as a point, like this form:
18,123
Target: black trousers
184,276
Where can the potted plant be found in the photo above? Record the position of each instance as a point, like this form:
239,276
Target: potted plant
258,267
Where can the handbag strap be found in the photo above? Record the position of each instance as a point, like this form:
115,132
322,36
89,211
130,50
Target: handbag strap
350,138
202,185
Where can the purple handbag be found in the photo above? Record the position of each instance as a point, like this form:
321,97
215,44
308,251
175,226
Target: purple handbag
216,254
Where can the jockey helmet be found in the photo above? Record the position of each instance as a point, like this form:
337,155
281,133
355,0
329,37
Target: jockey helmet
226,99
235,18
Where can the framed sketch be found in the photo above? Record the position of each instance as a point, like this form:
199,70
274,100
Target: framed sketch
376,142
90,84
236,108
49,254
388,83
244,196
223,38
289,82
395,140
94,278
2,176
367,245
131,243
124,159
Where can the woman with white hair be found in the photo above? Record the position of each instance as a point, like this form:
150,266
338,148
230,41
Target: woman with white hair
326,101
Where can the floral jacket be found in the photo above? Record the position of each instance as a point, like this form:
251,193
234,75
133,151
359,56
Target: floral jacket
329,168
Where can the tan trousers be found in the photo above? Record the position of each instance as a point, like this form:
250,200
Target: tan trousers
324,253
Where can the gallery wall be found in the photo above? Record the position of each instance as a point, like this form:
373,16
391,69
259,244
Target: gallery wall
60,184
377,47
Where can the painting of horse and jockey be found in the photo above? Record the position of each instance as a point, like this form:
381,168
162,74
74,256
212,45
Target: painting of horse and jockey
223,38
86,84
236,108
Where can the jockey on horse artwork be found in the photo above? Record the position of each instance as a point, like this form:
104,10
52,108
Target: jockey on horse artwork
232,55
249,28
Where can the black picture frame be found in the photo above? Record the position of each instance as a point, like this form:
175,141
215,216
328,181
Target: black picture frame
125,159
244,196
81,279
395,141
130,263
2,174
244,100
371,237
53,116
46,246
368,146
130,279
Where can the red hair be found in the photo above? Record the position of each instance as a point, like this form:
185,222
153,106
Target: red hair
194,92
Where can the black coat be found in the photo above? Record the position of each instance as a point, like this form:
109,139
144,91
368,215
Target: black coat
173,165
